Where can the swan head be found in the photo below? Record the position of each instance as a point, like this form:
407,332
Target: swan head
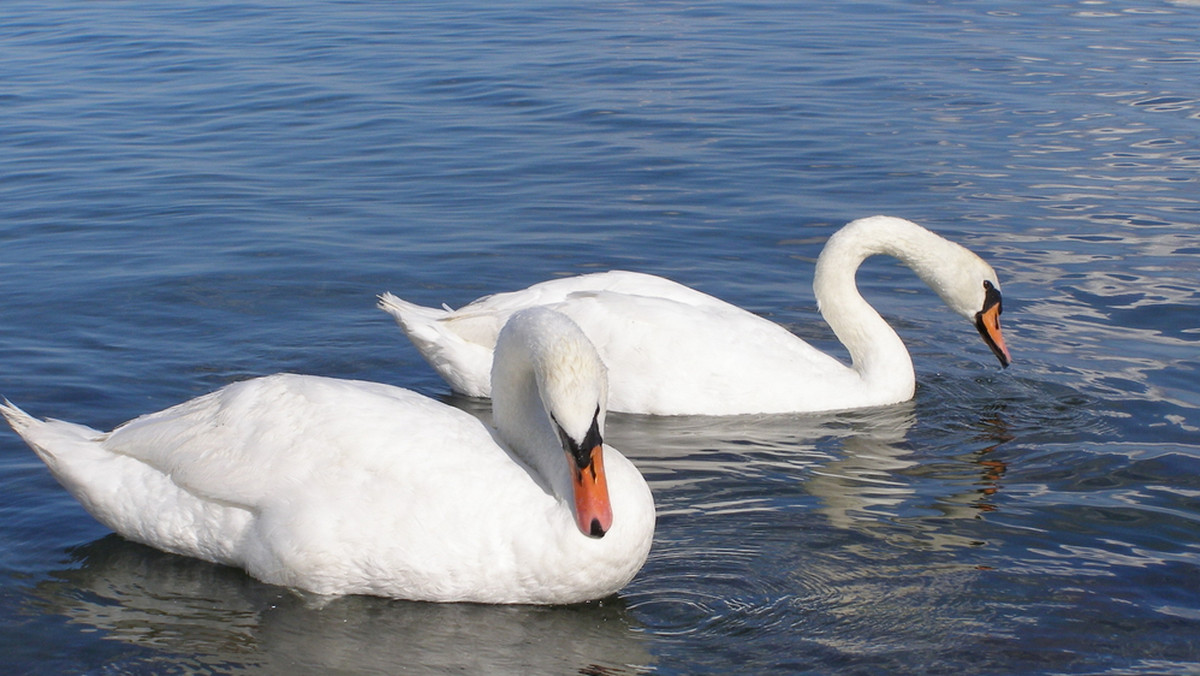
969,286
545,350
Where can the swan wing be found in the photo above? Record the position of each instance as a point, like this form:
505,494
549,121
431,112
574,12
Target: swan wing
670,349
676,357
343,487
254,439
458,343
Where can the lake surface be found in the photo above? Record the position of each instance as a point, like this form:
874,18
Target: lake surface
193,195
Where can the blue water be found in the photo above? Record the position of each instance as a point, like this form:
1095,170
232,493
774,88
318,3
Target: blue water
193,195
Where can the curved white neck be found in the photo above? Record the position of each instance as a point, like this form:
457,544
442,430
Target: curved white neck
876,351
521,420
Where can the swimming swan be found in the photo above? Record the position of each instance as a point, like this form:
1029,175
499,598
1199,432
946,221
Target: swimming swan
671,350
346,487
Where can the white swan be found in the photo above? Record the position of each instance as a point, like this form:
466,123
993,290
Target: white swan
671,350
346,487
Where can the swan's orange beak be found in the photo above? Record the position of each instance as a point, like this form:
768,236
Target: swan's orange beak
593,512
988,323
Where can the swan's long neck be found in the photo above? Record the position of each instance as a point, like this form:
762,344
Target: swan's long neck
876,351
521,419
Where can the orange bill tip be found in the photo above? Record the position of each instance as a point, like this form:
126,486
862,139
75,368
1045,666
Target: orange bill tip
593,511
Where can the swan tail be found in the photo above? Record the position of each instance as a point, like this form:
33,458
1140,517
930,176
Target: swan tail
457,345
56,442
128,495
410,315
75,455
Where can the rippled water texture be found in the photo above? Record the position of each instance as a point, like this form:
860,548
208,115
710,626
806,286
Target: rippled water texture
194,195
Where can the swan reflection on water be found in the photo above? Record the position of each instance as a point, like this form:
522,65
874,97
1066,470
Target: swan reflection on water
216,615
854,530
859,465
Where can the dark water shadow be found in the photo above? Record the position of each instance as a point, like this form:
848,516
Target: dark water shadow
191,613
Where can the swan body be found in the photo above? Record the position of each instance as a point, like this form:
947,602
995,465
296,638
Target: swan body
346,487
672,350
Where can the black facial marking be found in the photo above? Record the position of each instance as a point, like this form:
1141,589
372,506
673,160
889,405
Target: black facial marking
991,296
592,438
581,452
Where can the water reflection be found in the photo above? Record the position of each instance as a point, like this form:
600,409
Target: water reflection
842,529
220,617
858,468
881,483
